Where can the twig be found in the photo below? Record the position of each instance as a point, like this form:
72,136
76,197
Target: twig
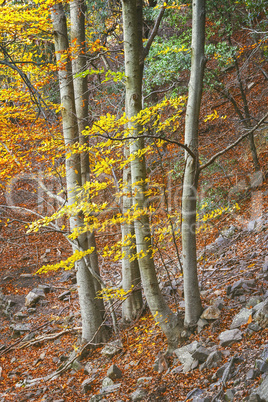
48,338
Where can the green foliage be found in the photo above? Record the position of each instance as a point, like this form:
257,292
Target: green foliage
166,60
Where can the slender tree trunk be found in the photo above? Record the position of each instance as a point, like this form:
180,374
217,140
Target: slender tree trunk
130,269
160,310
91,316
247,121
77,14
132,306
193,307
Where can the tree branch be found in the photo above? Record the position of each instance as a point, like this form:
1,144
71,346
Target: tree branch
211,160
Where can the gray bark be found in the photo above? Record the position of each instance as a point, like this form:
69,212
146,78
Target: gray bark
132,306
77,14
193,307
91,316
158,307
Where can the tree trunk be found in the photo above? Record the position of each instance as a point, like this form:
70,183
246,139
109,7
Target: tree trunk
91,316
158,307
77,14
193,307
132,306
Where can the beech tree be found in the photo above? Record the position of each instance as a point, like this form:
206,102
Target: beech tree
193,307
72,110
132,54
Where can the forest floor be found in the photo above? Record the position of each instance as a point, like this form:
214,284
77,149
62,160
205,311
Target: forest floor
49,331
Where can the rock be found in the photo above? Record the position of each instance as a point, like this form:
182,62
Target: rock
87,385
241,318
144,380
194,393
160,363
45,288
107,382
114,372
220,371
33,297
213,359
211,313
253,301
261,365
201,323
64,295
264,355
19,329
77,366
229,232
112,348
201,354
254,398
265,264
229,395
254,225
230,336
89,368
218,303
262,390
20,316
103,392
185,357
253,326
177,370
139,395
26,276
261,317
252,374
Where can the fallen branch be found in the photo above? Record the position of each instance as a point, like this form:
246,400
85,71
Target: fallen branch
43,338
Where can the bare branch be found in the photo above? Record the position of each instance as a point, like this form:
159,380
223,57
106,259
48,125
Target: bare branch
211,160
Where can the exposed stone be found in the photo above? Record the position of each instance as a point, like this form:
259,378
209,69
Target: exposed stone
87,385
265,264
264,355
77,366
139,395
19,329
160,363
103,392
201,354
230,336
144,380
241,318
185,357
45,288
229,395
261,317
112,348
107,382
211,313
194,393
254,398
114,372
33,297
252,374
262,390
201,323
213,359
64,295
261,365
253,301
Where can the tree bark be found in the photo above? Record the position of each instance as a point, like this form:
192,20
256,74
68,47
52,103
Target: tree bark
77,15
158,307
92,328
193,306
